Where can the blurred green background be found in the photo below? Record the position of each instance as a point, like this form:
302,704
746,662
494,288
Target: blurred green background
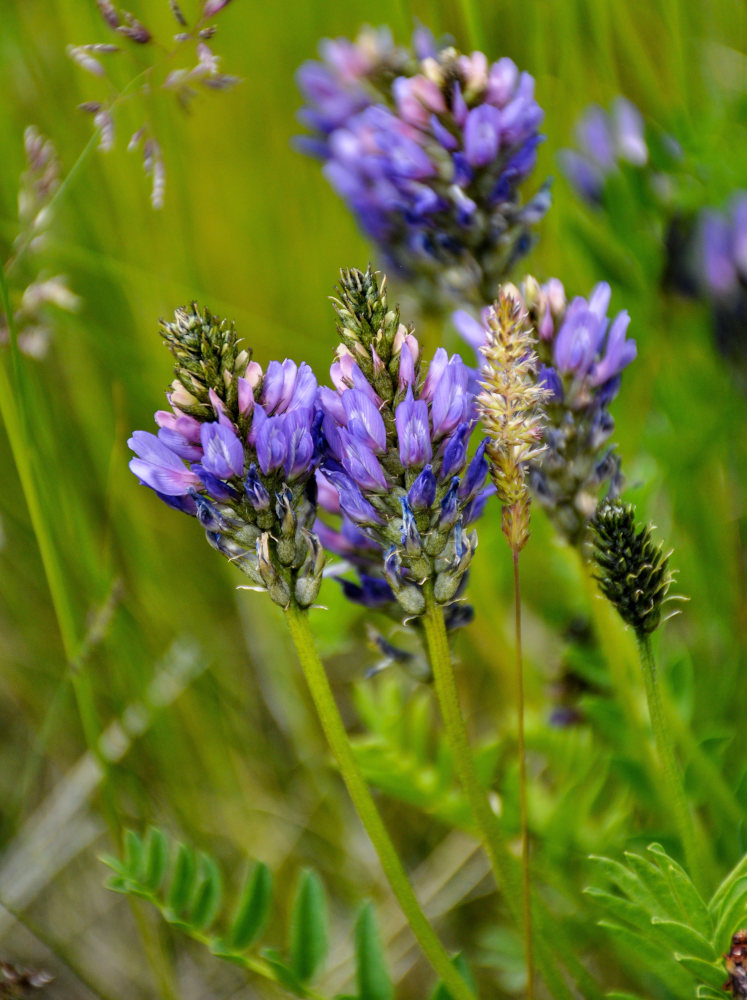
229,754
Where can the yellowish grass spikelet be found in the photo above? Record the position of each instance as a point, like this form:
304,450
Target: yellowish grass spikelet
510,406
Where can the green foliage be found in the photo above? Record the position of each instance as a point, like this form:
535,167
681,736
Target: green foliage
186,887
404,753
655,912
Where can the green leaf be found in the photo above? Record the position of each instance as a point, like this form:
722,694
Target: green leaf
115,864
182,879
619,906
460,964
371,972
308,931
691,903
652,956
664,905
684,939
629,883
706,993
133,854
732,912
718,900
711,972
207,894
285,975
623,996
156,857
253,908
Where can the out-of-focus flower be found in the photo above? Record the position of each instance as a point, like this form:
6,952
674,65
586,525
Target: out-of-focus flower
429,151
238,451
582,355
605,139
721,275
395,466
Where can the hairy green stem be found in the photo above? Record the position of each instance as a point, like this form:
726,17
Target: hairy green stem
501,859
337,737
669,766
526,883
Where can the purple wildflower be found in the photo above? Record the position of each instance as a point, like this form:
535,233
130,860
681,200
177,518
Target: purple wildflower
396,453
605,140
251,441
429,153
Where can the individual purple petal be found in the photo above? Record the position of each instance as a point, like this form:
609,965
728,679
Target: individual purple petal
595,137
413,432
246,397
223,452
299,443
629,132
422,493
438,365
502,79
180,445
372,592
327,496
271,444
482,135
577,342
619,352
304,389
219,408
217,489
476,473
256,491
718,263
549,379
469,328
455,452
188,427
406,367
352,501
362,465
364,421
158,467
451,400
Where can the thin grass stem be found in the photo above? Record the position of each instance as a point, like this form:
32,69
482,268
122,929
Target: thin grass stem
526,882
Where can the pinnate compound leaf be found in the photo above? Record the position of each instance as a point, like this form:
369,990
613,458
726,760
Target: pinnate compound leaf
253,908
308,931
371,971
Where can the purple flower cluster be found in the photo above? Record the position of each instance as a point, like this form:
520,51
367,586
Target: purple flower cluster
605,139
395,466
238,451
582,355
429,152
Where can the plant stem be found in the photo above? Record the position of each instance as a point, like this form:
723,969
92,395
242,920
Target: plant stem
672,774
337,737
501,860
526,884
